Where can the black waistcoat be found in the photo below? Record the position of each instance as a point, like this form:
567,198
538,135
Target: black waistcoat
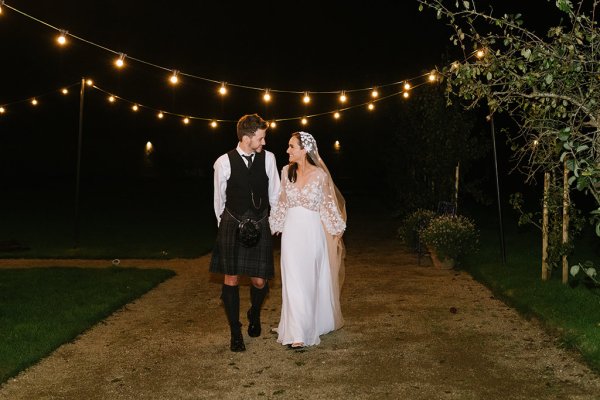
244,181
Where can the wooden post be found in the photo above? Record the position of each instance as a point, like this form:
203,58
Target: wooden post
565,222
545,270
456,175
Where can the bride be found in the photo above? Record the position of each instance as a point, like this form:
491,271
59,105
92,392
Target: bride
311,216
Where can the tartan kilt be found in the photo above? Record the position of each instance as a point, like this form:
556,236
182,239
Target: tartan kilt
231,258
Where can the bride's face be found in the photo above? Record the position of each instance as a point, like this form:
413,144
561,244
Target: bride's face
294,151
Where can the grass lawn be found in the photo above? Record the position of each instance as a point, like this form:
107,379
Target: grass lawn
42,308
571,311
126,219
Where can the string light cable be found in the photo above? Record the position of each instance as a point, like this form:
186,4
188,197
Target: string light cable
174,72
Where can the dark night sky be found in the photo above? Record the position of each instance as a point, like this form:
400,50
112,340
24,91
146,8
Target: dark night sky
316,46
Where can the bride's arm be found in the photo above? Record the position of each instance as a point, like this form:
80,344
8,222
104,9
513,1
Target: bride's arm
277,216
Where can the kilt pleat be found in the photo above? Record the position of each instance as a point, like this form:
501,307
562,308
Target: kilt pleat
231,258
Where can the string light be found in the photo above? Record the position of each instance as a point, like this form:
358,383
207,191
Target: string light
432,76
273,124
120,62
374,94
267,96
405,95
213,124
480,53
304,121
34,101
160,115
2,110
61,39
406,86
173,78
337,145
306,98
111,99
336,115
89,82
186,120
343,97
135,107
65,91
371,106
223,89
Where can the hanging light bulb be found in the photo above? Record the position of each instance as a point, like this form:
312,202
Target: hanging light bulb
343,97
174,79
186,120
406,86
304,121
34,101
371,106
223,89
480,53
2,110
120,62
273,124
405,95
337,145
65,91
432,76
336,115
61,39
111,99
306,98
135,107
375,93
160,115
213,124
267,96
89,82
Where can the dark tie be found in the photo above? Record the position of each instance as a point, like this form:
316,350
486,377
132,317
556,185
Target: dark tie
249,159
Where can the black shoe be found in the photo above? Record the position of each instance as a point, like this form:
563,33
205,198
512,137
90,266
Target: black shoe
253,326
237,343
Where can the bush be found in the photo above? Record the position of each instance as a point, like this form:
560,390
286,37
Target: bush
412,224
451,236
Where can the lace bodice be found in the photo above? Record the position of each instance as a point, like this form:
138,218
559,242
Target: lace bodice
315,195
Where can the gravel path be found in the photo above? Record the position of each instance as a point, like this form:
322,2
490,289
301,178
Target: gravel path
402,340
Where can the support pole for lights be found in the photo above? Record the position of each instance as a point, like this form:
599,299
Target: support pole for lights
76,221
503,249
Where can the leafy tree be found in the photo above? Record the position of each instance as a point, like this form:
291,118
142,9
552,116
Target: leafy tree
548,83
431,138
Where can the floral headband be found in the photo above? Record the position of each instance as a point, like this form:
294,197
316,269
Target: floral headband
308,141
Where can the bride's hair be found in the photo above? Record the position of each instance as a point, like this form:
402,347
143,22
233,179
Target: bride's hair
293,167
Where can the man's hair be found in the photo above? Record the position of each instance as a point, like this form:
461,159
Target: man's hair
249,124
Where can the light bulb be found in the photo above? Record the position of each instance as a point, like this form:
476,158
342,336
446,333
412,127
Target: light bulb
213,124
306,98
120,62
273,124
186,120
135,107
304,121
173,78
61,39
336,115
405,95
2,110
160,115
89,82
374,93
371,106
267,96
65,91
223,89
343,97
111,99
406,86
34,102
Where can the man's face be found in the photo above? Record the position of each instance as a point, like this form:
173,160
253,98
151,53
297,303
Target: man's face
258,140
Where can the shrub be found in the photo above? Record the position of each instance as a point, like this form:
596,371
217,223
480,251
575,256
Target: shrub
412,224
451,236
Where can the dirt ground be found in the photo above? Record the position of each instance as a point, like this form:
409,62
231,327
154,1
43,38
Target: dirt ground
401,340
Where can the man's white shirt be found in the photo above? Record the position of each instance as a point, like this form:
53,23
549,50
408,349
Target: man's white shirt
223,173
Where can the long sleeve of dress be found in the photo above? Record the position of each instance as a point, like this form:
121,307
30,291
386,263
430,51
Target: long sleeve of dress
330,215
277,216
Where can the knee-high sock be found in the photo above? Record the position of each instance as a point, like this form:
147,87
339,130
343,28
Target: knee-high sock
231,300
257,297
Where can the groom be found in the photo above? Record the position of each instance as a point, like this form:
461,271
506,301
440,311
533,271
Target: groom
246,187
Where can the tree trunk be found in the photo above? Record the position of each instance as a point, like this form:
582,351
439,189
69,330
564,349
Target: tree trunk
456,175
565,221
545,271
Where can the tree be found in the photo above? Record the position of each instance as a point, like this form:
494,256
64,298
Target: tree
549,84
431,138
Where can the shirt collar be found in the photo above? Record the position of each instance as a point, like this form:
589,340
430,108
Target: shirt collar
241,153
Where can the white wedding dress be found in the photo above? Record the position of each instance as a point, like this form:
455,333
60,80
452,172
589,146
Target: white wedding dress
310,296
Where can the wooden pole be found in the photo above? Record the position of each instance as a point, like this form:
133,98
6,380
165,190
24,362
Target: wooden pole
456,176
565,222
77,178
545,269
